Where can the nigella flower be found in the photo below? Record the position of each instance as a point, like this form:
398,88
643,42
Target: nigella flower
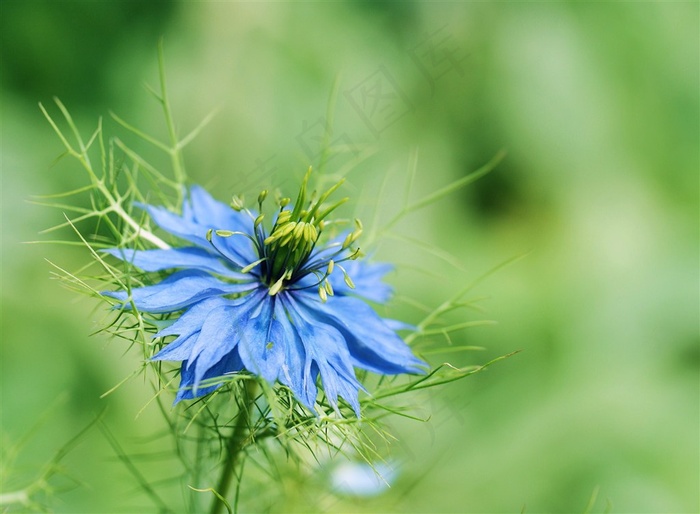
279,305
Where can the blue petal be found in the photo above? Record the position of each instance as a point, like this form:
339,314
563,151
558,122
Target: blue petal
263,339
221,333
178,291
231,363
236,248
293,372
326,351
178,225
178,350
192,320
373,344
325,252
207,335
332,250
367,278
199,214
187,328
397,325
159,260
206,210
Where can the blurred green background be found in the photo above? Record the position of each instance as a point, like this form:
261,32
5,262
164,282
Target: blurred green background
598,107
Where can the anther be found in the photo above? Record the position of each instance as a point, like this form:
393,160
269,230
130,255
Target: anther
348,280
237,203
252,265
277,286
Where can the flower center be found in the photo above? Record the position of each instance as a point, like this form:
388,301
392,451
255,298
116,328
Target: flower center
287,254
288,248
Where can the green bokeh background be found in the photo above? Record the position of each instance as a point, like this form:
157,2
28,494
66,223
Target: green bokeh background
597,105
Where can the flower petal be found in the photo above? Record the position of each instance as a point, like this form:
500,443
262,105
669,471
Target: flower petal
327,352
367,278
397,325
205,210
191,321
220,334
159,260
373,344
231,363
187,328
178,291
293,372
178,225
200,212
263,339
237,248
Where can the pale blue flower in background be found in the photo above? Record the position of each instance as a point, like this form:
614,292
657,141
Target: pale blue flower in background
278,305
361,479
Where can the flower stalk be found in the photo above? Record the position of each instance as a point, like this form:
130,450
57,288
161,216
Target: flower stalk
242,432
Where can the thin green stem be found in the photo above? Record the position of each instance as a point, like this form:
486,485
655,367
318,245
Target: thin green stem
330,114
96,182
175,153
235,445
441,193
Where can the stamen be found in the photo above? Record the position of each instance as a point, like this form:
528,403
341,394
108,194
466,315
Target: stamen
333,207
301,198
223,255
252,265
324,197
322,294
277,286
354,235
282,230
237,203
347,278
261,197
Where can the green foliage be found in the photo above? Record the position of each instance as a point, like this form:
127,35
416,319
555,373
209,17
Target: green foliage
36,492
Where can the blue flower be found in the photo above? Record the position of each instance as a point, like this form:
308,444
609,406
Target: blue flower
279,305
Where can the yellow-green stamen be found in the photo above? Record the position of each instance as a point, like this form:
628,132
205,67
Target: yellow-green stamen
285,254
